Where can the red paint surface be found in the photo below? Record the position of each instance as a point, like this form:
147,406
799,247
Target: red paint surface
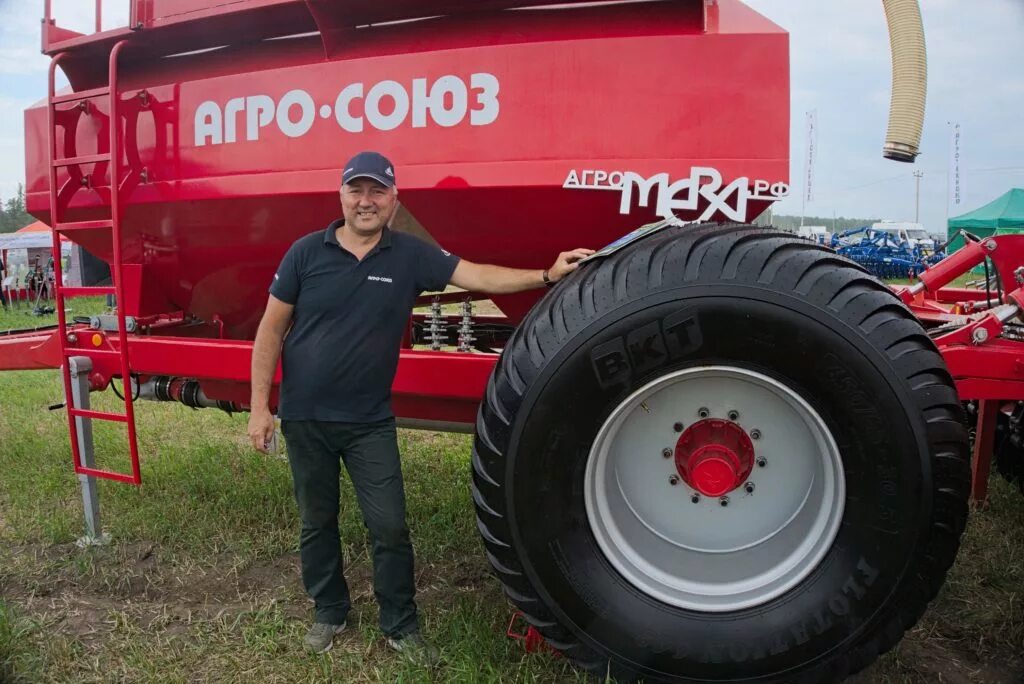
638,88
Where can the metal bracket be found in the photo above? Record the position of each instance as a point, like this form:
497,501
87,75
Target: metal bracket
79,368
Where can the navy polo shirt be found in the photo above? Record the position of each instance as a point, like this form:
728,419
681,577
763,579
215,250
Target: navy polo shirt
341,354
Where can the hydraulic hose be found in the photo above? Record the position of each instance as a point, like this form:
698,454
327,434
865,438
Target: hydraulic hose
909,80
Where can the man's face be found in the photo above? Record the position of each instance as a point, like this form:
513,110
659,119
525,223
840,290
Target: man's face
367,205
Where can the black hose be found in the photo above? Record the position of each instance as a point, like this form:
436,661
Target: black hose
138,388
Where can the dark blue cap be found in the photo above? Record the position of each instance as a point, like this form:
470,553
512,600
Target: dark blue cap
370,165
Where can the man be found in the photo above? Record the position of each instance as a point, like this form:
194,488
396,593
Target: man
344,296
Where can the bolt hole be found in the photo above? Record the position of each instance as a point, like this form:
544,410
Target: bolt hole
703,412
734,415
724,501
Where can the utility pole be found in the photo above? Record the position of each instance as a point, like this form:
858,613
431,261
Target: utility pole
917,196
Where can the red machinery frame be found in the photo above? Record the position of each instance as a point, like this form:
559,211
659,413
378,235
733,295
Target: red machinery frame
987,366
445,388
431,388
193,230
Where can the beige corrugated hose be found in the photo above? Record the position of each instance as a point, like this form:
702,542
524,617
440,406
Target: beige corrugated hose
909,79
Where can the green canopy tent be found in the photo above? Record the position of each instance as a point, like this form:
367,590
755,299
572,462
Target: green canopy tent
1001,216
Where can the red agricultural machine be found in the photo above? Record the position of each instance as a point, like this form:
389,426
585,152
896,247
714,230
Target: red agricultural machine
716,452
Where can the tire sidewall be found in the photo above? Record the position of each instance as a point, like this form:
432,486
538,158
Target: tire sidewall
832,366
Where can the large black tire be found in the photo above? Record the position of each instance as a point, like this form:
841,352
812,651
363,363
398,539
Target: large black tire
751,298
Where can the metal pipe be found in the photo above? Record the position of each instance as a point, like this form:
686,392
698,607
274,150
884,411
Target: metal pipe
183,390
909,80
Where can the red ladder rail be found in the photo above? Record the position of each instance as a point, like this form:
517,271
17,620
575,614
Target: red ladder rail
113,224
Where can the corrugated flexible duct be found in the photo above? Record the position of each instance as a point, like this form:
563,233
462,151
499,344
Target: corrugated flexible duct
909,79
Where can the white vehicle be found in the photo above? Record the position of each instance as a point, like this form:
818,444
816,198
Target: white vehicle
819,234
913,233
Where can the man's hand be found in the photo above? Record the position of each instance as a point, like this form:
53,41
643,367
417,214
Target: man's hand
566,263
261,429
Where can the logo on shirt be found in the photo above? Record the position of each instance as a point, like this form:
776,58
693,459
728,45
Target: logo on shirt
379,279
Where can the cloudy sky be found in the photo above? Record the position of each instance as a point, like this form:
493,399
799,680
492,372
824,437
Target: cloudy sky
840,68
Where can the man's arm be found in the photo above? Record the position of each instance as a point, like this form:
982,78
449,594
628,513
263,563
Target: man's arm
491,279
266,351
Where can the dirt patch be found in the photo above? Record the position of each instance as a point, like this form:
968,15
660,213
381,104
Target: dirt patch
100,597
928,659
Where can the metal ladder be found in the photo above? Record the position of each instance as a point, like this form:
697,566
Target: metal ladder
79,415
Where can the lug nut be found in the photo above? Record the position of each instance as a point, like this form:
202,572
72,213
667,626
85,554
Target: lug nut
695,498
703,412
761,463
749,487
724,501
667,453
673,480
755,434
733,415
678,427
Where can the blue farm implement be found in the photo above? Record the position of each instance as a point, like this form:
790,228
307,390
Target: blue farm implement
884,254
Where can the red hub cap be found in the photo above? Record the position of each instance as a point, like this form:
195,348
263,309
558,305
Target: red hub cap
714,456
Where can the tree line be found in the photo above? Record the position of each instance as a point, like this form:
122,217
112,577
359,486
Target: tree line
842,223
12,212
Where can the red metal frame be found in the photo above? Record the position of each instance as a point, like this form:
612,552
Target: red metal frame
196,228
533,641
987,368
59,201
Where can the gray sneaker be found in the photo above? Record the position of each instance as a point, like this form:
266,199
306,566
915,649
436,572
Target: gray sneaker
415,649
320,637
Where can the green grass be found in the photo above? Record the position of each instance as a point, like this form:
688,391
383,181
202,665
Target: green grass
201,581
12,318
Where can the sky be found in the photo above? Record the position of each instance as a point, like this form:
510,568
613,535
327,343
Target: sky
840,68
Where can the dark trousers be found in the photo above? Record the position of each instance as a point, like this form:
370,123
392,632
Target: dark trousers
370,453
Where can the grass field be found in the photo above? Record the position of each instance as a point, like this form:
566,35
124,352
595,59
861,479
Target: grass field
201,580
22,318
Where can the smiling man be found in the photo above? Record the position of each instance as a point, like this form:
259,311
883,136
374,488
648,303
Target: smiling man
344,295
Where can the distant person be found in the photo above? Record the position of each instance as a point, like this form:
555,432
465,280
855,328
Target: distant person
344,296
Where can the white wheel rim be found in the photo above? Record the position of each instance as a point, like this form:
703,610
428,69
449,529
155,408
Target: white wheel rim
705,556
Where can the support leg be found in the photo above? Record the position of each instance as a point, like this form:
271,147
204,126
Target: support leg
984,445
79,367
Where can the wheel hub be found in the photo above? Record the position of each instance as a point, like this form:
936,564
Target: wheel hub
714,456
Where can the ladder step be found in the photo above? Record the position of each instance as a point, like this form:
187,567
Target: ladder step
87,291
81,95
98,415
86,159
108,474
70,226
